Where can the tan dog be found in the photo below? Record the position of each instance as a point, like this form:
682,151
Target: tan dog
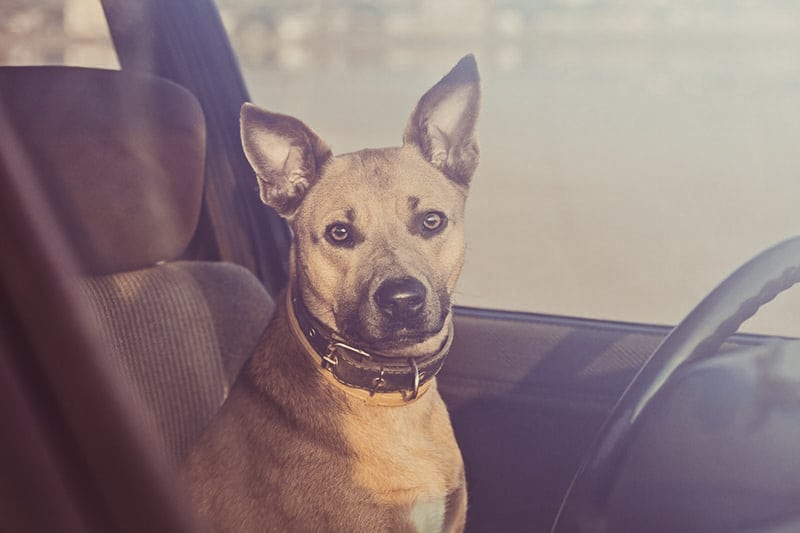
335,424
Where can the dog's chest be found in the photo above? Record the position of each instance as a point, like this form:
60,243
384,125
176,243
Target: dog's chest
407,457
429,515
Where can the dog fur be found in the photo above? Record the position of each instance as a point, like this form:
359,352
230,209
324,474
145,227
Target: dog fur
292,450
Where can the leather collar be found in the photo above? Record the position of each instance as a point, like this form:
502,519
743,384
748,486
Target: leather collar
376,378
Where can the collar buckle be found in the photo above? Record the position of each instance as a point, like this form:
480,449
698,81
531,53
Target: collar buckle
329,359
339,344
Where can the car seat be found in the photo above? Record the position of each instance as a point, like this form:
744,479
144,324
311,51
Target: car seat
121,160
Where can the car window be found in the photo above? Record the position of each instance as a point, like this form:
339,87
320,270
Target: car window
55,32
633,153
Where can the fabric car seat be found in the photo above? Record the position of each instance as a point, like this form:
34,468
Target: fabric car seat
121,159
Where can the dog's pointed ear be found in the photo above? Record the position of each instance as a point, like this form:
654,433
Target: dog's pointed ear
443,124
286,155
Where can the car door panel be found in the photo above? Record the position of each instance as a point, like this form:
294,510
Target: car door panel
527,394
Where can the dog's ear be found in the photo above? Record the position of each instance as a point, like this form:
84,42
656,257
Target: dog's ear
285,153
443,124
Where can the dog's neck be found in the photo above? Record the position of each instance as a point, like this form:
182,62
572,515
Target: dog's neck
374,378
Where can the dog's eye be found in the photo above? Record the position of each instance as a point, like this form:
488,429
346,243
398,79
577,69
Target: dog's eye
339,234
433,221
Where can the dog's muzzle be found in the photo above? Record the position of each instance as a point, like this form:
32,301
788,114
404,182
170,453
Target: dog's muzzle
370,372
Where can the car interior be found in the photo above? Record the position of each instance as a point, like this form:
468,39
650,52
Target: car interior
138,269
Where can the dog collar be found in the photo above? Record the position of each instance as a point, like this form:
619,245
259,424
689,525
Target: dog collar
376,378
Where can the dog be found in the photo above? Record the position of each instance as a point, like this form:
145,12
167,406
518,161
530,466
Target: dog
335,423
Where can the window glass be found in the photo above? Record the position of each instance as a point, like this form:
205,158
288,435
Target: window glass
633,152
55,32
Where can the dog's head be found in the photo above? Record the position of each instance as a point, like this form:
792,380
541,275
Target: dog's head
378,234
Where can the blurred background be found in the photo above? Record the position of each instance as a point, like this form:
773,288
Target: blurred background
634,152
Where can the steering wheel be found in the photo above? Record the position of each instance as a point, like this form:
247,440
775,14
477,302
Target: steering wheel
698,336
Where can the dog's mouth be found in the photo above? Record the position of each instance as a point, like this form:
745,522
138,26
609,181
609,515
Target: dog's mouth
402,346
401,339
393,340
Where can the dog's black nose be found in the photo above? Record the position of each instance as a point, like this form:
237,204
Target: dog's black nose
402,299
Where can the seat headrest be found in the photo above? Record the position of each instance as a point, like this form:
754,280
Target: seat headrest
121,157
